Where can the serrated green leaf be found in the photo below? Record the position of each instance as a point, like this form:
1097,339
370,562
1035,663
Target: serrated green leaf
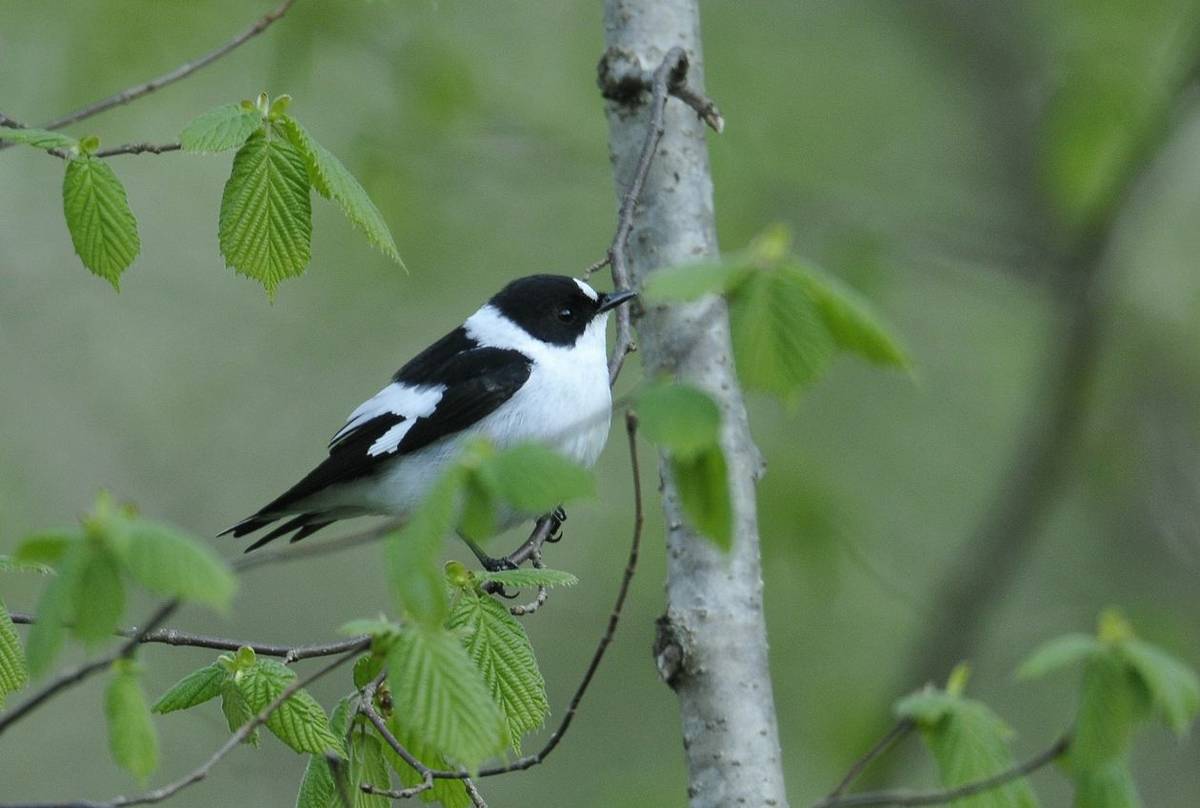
449,793
413,553
1110,786
1112,701
38,138
131,735
679,417
197,687
300,722
225,127
1173,686
527,577
103,228
1059,653
780,341
691,281
56,608
236,709
850,319
703,485
14,673
500,649
168,562
535,479
43,548
334,181
99,598
265,227
317,788
12,564
439,693
970,743
368,765
366,668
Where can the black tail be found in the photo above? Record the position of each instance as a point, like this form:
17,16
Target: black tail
305,524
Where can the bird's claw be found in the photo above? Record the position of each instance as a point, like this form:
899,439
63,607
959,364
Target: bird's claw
498,564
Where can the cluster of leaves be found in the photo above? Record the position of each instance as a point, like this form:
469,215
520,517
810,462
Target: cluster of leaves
1125,682
787,316
89,568
265,224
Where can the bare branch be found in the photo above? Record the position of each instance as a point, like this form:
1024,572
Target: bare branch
139,148
897,733
910,798
78,674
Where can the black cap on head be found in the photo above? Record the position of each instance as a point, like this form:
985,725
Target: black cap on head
553,308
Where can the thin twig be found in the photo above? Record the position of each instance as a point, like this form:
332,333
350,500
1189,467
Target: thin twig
82,672
199,773
901,729
473,792
605,639
139,148
524,609
910,798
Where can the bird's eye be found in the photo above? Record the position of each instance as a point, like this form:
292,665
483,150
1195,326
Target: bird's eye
566,314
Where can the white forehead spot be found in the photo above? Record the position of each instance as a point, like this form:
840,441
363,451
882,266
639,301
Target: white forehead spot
587,290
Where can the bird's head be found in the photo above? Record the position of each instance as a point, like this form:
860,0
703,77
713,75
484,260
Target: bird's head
555,308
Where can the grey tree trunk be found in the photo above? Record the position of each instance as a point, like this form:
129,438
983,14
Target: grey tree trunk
712,646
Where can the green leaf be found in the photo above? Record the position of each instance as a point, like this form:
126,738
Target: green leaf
1059,653
317,788
969,743
413,554
300,722
167,562
265,225
450,793
438,692
56,608
237,709
14,674
12,564
225,127
535,479
691,281
703,485
38,138
197,687
1112,701
1174,688
374,626
527,577
334,181
102,226
848,316
500,649
680,418
780,340
44,548
477,517
927,706
131,735
1110,786
368,765
100,596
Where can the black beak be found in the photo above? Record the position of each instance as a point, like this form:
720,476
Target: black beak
610,300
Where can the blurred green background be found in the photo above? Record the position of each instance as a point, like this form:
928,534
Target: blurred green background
960,162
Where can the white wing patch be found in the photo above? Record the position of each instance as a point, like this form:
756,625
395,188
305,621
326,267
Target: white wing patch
395,399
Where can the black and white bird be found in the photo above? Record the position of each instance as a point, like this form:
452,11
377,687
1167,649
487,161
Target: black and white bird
530,365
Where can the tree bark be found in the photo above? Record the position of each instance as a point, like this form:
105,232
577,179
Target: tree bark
712,643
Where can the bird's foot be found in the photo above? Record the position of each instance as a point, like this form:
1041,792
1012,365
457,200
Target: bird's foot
497,564
559,516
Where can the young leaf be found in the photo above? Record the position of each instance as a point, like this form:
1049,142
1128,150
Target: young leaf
534,479
102,226
317,788
702,481
1174,688
500,649
131,735
1110,786
368,765
13,672
1059,653
970,743
225,127
237,709
449,793
170,563
1112,702
678,417
927,706
850,319
527,577
300,722
413,550
334,181
44,548
197,687
56,608
12,564
38,138
265,226
439,693
691,281
100,596
780,340
477,517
